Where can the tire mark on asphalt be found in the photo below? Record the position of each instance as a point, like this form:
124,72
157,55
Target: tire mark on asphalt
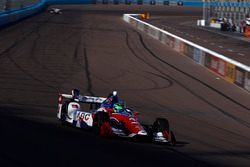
34,58
25,36
87,72
245,123
193,93
167,78
136,55
30,75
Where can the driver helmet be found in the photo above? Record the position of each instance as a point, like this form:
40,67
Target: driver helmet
75,93
117,107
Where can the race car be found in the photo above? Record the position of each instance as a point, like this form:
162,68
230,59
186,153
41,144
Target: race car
55,11
109,117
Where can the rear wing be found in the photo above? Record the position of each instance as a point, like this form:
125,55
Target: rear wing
84,99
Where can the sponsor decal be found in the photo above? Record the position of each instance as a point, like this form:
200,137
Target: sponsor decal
215,64
247,82
197,57
230,72
239,77
83,116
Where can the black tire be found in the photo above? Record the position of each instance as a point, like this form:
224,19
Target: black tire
99,119
64,113
173,139
160,125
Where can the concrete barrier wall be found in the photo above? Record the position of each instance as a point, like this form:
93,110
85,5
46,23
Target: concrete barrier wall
55,2
231,70
14,14
13,10
12,5
17,9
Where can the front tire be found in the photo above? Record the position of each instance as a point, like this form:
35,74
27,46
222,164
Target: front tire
161,125
101,125
162,132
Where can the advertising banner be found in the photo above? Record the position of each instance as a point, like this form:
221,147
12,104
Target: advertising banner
146,27
240,77
164,39
177,45
221,67
140,26
153,32
198,56
182,47
133,22
189,50
170,41
215,64
247,81
160,34
230,72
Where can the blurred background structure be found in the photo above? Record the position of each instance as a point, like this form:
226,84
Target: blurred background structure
7,5
234,11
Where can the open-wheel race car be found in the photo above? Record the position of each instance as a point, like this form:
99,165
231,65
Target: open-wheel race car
110,117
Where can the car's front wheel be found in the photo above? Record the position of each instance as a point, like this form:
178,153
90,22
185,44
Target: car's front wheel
101,124
161,130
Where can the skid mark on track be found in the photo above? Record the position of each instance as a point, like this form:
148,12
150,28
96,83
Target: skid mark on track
30,75
137,56
87,71
34,58
245,123
24,37
190,76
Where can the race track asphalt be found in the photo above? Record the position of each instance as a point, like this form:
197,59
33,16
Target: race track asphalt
92,48
230,44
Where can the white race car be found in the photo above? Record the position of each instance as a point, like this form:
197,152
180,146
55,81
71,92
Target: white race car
109,117
55,11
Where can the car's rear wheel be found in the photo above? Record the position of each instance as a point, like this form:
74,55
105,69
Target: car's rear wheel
64,113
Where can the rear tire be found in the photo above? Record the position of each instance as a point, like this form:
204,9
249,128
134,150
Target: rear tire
64,113
173,139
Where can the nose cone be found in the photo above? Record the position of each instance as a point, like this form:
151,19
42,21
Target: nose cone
142,132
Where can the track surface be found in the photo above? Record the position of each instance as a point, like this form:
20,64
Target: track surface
225,43
91,48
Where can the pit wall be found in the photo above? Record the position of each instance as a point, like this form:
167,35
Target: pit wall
231,70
